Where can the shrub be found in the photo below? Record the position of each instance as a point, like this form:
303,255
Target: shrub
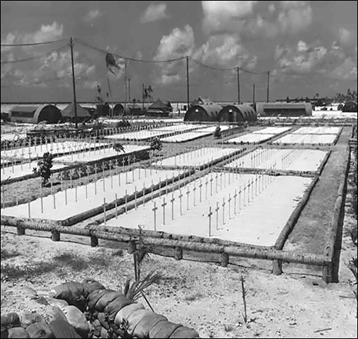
217,133
44,166
118,147
123,123
156,144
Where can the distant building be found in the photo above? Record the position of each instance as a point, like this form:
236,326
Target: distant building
69,112
268,109
237,113
159,108
205,112
350,106
35,114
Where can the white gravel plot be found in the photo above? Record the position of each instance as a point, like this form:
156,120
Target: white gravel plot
211,129
12,137
281,159
255,217
318,130
251,137
96,193
272,130
33,152
99,154
183,137
302,139
140,135
196,158
21,170
178,128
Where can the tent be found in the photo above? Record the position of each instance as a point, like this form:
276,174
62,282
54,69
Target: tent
69,112
160,105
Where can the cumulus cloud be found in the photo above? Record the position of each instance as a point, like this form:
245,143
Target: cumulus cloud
226,51
178,43
92,15
346,71
302,59
44,34
154,12
253,18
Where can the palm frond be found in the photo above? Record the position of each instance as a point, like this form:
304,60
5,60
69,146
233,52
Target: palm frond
137,287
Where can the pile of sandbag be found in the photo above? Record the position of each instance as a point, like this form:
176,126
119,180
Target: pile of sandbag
89,310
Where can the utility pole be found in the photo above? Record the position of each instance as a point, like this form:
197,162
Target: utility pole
129,90
73,82
143,97
238,85
125,83
268,86
187,81
253,94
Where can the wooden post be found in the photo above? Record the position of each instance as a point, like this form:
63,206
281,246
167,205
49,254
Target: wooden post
172,201
132,247
277,267
163,205
55,235
224,259
155,215
115,204
104,210
20,230
187,197
94,241
209,216
125,201
180,199
217,215
178,254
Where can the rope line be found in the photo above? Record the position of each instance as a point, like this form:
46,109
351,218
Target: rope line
33,43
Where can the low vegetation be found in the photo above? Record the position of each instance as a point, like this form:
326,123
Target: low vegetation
43,169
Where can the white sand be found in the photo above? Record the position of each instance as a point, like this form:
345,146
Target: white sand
183,137
98,154
318,130
139,135
178,128
285,159
18,171
251,137
306,139
12,136
33,152
197,157
211,129
129,181
259,222
272,130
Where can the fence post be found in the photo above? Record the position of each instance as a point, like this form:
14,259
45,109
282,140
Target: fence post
178,254
277,267
55,235
20,230
94,241
224,259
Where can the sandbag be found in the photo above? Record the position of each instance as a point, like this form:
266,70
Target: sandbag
39,330
78,320
27,319
63,329
147,323
17,332
94,296
106,299
126,311
184,332
57,303
134,319
55,313
91,285
102,319
163,329
117,304
96,328
9,320
5,333
73,292
104,333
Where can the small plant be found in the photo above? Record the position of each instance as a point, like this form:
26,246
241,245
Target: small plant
119,148
217,133
244,295
44,166
156,144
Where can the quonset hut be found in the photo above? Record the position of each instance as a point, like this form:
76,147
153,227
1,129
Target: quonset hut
118,109
269,109
35,114
237,113
350,106
207,112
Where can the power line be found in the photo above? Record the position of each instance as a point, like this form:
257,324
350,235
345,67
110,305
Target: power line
126,58
33,43
33,58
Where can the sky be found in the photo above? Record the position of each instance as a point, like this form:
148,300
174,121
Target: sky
308,48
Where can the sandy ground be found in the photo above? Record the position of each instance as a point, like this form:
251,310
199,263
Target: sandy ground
70,202
272,130
245,208
197,157
251,137
280,159
306,139
318,130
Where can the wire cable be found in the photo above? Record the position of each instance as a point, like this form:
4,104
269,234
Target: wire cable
83,43
33,43
33,58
